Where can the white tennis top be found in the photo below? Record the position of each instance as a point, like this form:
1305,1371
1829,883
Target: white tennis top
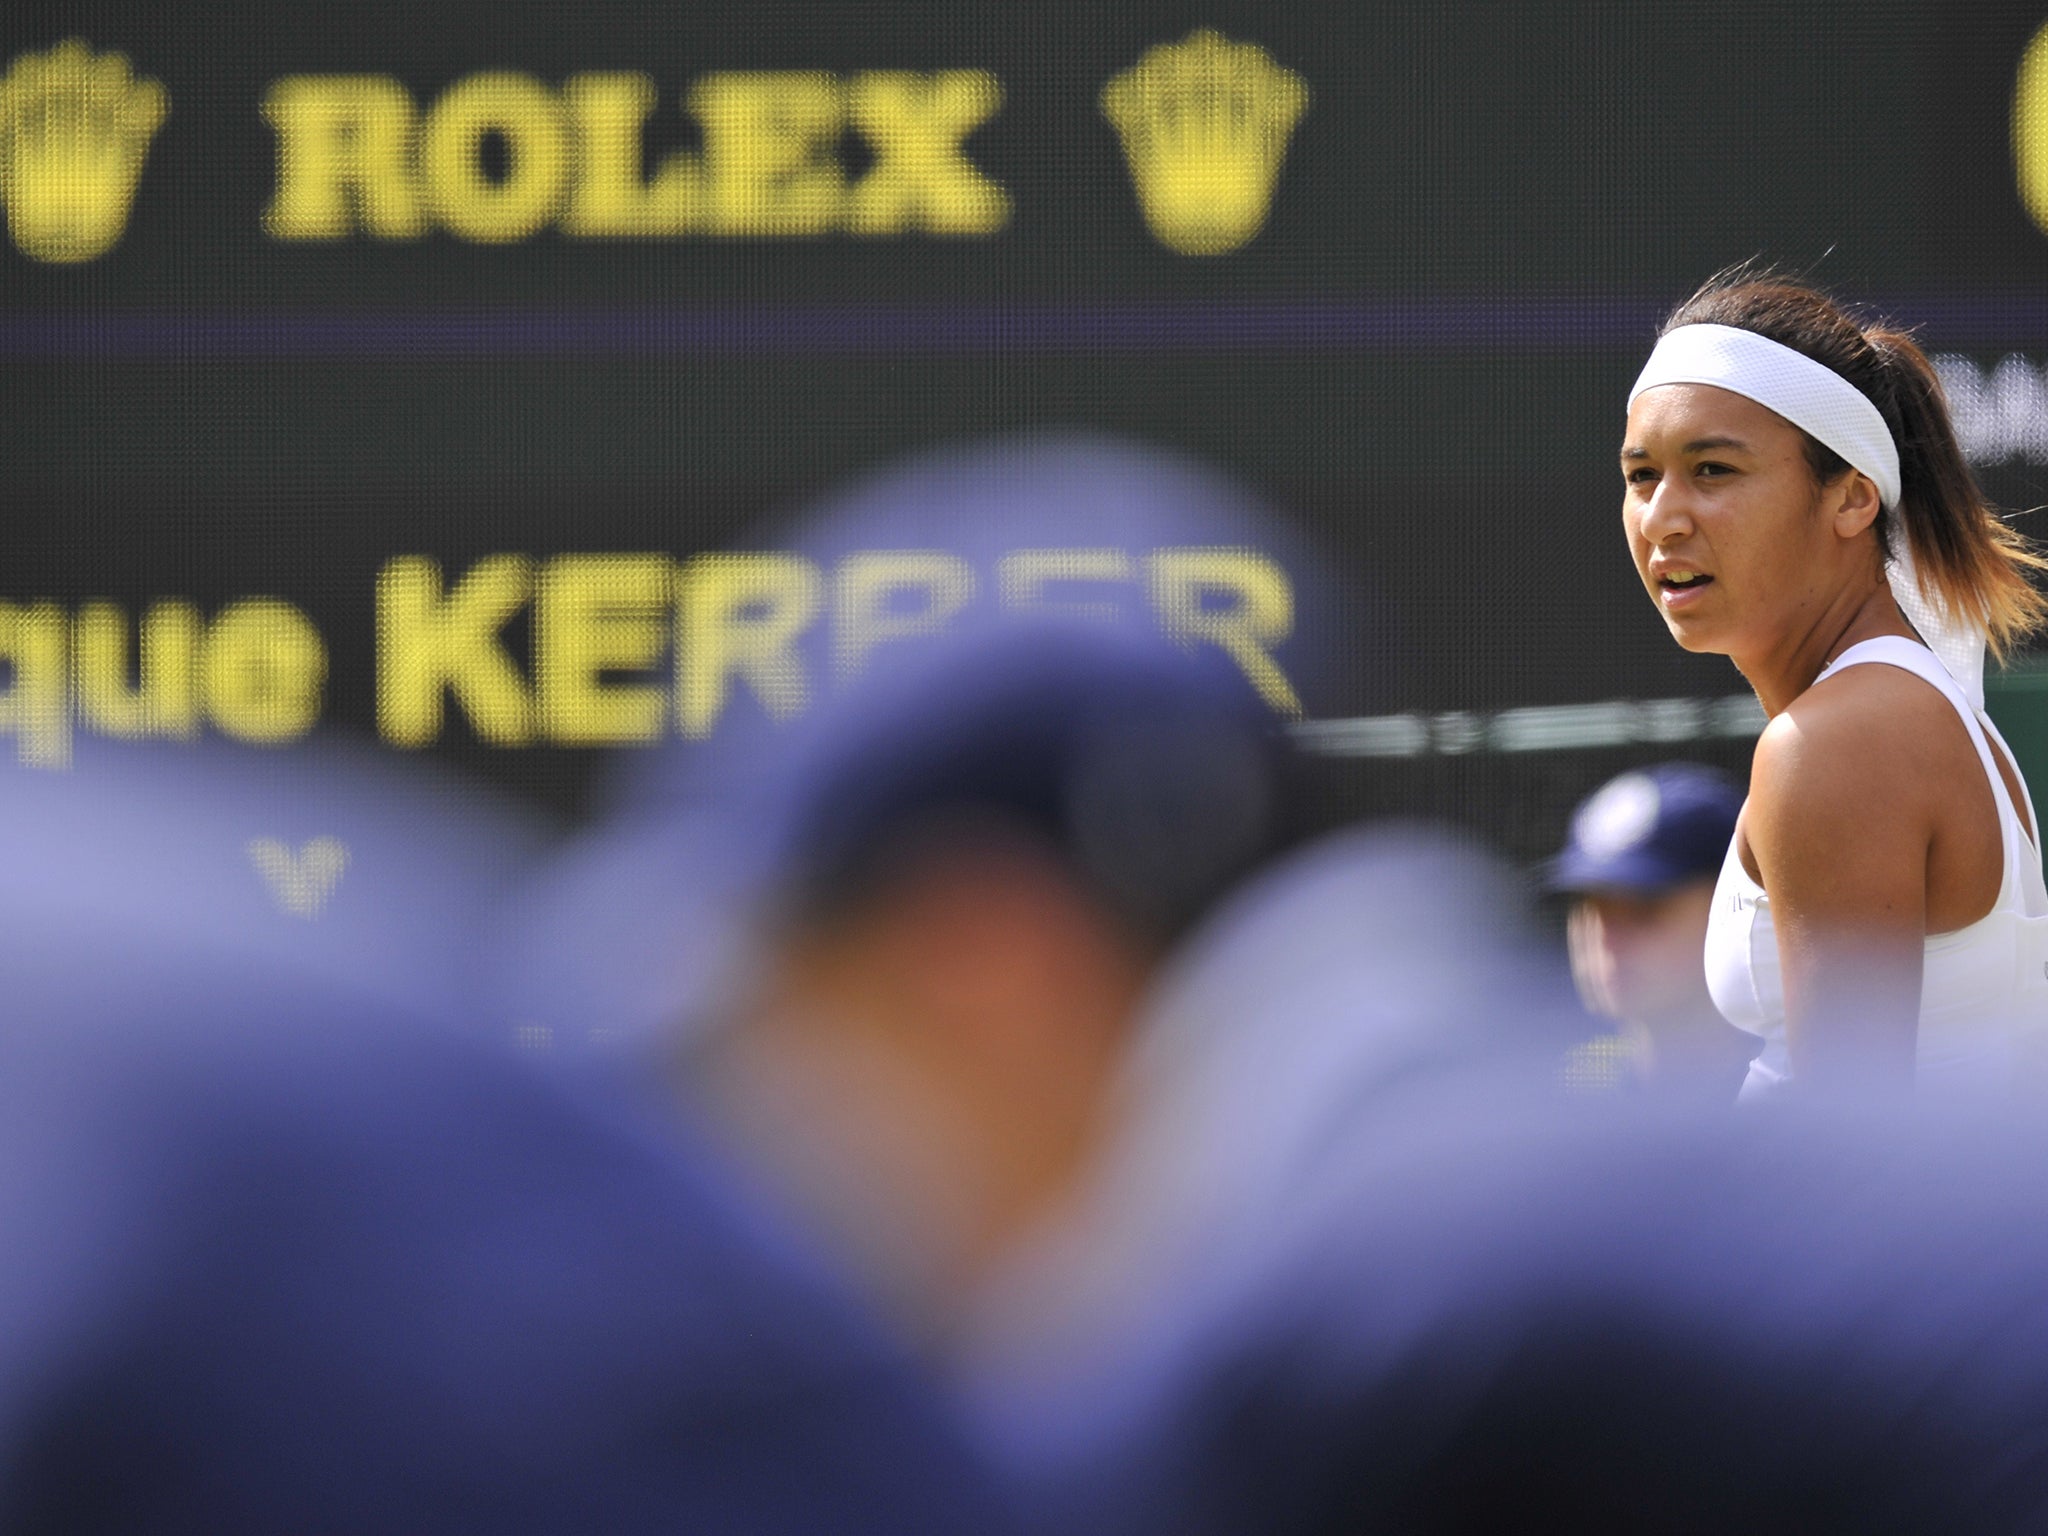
1984,988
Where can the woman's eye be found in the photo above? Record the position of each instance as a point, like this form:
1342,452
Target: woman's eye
1639,476
1715,469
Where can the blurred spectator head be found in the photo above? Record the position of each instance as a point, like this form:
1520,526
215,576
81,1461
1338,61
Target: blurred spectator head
1639,867
289,1250
330,859
635,927
975,862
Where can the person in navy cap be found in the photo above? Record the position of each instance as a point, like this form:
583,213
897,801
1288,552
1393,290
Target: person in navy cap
973,867
289,1248
1639,865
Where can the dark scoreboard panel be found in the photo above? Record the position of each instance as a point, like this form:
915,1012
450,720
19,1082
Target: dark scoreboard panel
297,303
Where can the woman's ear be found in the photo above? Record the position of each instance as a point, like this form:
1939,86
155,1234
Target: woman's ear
1856,504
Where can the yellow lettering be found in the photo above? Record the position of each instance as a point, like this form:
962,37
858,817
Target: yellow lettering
428,643
609,198
766,138
164,699
1022,576
344,149
527,116
738,616
1259,615
36,704
2030,128
355,155
594,614
261,671
921,178
868,585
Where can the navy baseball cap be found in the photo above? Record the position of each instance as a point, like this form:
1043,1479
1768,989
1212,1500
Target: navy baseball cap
1152,769
1649,830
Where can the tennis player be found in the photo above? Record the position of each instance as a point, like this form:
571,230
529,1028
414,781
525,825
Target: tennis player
1796,500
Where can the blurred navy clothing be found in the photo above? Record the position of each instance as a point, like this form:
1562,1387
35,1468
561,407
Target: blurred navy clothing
1509,1320
330,858
1359,973
279,1261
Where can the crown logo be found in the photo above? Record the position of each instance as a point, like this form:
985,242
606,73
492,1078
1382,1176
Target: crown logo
74,129
1204,125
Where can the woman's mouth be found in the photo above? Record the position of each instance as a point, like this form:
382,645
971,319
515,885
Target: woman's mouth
1677,590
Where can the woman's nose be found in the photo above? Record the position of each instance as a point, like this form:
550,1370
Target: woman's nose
1667,515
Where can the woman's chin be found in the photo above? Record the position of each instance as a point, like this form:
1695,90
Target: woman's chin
1695,636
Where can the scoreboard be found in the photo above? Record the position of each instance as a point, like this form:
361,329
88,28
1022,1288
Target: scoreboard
431,374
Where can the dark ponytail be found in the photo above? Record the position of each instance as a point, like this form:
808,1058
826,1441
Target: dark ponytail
1963,550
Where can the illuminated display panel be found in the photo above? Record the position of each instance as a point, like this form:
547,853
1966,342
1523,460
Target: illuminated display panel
341,343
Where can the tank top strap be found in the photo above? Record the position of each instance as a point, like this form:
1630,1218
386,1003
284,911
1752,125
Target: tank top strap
2026,845
2026,794
1911,656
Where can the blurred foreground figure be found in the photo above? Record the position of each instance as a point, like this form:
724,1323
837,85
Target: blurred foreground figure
334,860
285,1255
1640,866
306,1273
631,931
1362,973
983,855
1658,1320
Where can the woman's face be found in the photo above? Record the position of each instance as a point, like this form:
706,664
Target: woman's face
1720,510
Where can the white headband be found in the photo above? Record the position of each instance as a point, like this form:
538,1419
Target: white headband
1831,410
1810,395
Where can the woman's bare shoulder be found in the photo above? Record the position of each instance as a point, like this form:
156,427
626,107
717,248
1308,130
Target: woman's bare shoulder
1867,735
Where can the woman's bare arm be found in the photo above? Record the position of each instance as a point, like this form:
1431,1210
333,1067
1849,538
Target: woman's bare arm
1838,823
